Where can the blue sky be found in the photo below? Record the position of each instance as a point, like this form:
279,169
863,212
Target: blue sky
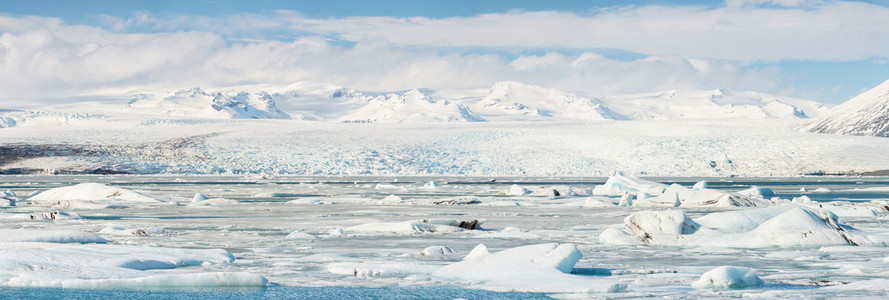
69,47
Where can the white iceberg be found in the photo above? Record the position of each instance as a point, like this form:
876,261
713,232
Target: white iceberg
299,235
202,200
728,277
114,266
654,194
387,269
781,226
408,227
91,195
619,183
533,268
516,190
438,251
49,236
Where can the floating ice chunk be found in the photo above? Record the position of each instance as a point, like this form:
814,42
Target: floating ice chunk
700,185
438,251
201,200
703,197
848,210
121,231
649,224
728,277
740,221
49,236
822,190
615,236
51,216
408,227
618,184
534,268
479,251
392,198
802,200
193,280
516,190
670,198
336,232
627,201
198,197
797,226
470,224
381,186
112,266
430,184
803,189
386,269
592,202
757,192
879,284
463,200
299,235
93,192
782,226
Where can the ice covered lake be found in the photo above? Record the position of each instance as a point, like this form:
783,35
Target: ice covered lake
291,237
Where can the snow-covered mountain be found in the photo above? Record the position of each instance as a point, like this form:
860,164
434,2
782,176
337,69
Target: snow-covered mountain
865,114
504,101
197,103
710,104
409,107
536,102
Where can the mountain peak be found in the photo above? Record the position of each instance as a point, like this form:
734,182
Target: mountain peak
865,114
195,102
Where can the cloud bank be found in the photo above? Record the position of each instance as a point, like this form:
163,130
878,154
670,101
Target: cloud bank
683,47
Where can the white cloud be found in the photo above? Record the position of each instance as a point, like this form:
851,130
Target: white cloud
691,47
740,30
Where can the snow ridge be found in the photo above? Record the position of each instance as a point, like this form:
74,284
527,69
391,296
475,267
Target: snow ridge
411,106
535,101
197,103
866,114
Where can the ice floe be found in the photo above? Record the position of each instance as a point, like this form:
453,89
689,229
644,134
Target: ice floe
729,277
299,235
121,231
91,195
49,236
438,251
409,227
114,266
782,226
653,194
533,268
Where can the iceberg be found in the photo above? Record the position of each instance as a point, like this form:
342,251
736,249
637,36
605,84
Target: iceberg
49,236
728,277
91,195
533,268
781,226
114,266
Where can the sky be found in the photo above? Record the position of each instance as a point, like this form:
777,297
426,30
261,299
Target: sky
821,50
